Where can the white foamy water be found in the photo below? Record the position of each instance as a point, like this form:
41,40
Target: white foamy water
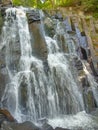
79,121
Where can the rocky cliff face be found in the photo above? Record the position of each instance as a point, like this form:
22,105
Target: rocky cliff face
88,27
6,2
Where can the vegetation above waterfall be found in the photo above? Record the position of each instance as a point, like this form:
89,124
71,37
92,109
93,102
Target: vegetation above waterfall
87,6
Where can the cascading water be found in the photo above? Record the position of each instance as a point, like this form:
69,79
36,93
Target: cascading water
33,93
60,71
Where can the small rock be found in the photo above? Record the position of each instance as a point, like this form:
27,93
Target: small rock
59,128
46,127
95,112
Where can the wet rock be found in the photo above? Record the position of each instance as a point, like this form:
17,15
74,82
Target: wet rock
4,5
1,22
38,41
19,126
78,63
46,127
5,115
94,112
49,26
3,80
59,16
84,54
85,82
71,32
33,19
48,22
58,128
23,95
89,100
46,66
33,16
61,41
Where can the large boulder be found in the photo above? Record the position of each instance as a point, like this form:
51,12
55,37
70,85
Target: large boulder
38,40
5,115
46,126
19,126
7,122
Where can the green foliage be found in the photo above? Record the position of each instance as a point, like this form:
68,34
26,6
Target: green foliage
69,2
90,5
95,15
46,5
30,3
87,5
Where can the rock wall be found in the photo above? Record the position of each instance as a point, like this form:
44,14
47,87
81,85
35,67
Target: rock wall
37,34
6,2
89,25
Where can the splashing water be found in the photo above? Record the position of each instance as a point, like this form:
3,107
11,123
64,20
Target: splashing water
76,122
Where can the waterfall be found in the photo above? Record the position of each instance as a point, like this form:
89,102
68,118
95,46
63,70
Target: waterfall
33,92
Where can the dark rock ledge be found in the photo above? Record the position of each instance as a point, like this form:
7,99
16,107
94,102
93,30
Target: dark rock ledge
7,122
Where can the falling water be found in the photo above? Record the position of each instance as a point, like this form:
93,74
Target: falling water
34,92
93,83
